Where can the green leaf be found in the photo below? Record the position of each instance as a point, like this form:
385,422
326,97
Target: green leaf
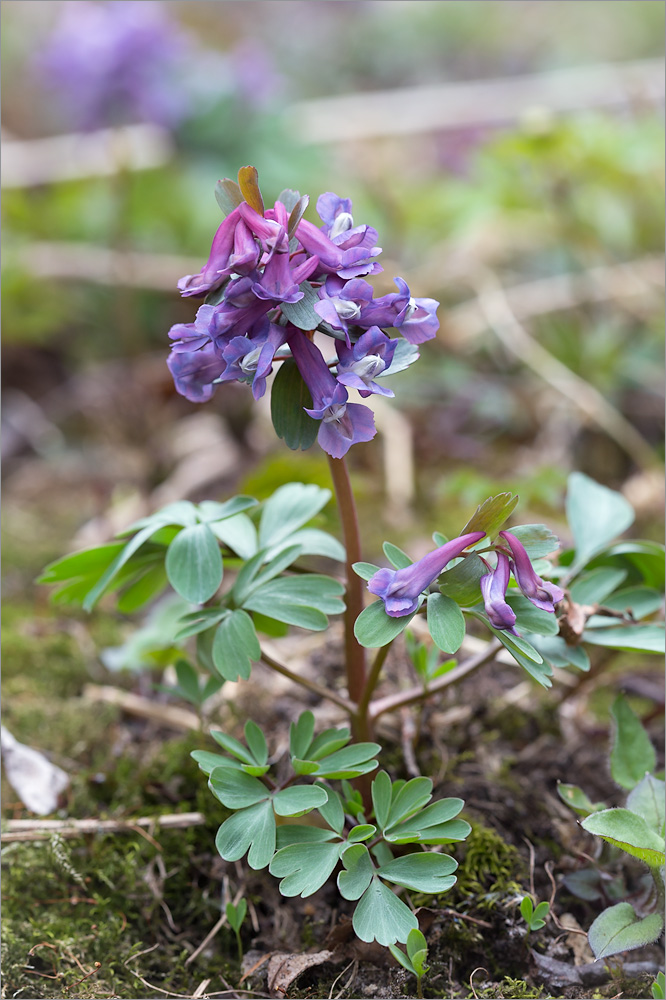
403,959
328,742
313,542
207,760
302,313
235,646
289,396
211,511
304,601
374,627
646,557
256,742
491,514
365,570
301,766
647,638
556,652
194,564
380,916
526,908
252,829
227,195
647,800
296,214
290,507
138,594
461,583
349,762
417,949
358,872
236,914
381,797
304,868
446,623
411,797
285,557
234,789
632,753
626,830
538,539
199,621
577,800
597,584
539,669
123,557
362,832
232,746
289,198
424,872
637,601
79,564
299,799
397,558
659,987
299,833
332,812
532,619
433,825
596,516
301,733
188,681
619,929
238,533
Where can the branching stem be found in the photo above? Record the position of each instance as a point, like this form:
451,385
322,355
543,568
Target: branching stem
305,682
413,695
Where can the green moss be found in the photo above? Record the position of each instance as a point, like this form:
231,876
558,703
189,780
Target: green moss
489,869
509,989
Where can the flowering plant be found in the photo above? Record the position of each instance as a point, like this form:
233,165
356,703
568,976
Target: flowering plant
277,289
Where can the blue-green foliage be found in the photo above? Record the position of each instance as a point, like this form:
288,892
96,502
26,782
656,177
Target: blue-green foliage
359,846
637,829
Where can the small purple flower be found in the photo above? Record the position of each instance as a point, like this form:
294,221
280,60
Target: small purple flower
195,372
279,282
341,303
270,228
400,589
250,359
342,424
349,259
335,213
192,336
217,267
415,318
542,594
493,589
370,356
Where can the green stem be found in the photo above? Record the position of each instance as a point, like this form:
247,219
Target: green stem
373,677
354,595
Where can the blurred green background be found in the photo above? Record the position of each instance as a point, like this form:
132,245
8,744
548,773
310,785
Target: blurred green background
510,155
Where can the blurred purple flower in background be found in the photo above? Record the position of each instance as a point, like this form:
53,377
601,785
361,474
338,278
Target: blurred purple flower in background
116,62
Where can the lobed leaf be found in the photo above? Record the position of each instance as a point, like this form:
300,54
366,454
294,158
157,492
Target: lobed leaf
491,514
252,830
424,872
304,868
380,916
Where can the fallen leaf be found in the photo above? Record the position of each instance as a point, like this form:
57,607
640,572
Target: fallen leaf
37,782
284,968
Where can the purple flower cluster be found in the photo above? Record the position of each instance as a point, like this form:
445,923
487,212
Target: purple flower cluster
401,589
115,62
494,584
261,265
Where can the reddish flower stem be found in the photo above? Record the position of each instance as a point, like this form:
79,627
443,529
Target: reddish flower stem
354,597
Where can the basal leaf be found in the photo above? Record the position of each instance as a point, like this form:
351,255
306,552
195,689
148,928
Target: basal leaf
194,563
626,830
296,800
304,868
288,509
647,638
301,734
647,800
256,742
239,533
380,916
381,797
619,929
349,762
632,753
424,872
413,795
357,873
234,789
250,829
235,646
596,516
304,601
